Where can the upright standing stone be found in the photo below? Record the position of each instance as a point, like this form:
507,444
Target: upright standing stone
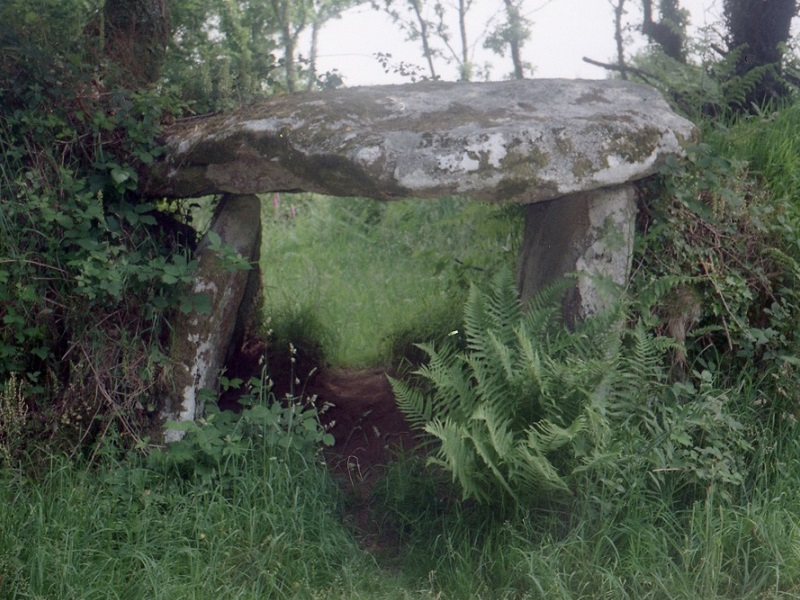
590,234
201,341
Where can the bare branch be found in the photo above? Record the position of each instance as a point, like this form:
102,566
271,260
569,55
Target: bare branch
648,77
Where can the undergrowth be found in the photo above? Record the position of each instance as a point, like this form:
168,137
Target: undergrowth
88,270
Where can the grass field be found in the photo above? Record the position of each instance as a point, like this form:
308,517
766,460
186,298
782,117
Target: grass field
363,272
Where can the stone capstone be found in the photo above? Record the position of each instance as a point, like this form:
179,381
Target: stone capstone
515,141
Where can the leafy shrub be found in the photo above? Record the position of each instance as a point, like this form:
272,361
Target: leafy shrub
265,424
677,438
88,271
531,411
710,236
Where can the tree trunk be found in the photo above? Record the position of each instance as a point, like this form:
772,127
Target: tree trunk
283,13
666,35
514,41
466,67
312,64
423,33
757,28
136,35
619,11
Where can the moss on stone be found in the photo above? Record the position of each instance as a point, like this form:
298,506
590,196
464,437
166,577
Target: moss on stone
635,146
582,167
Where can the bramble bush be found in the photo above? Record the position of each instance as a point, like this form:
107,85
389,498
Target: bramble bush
88,271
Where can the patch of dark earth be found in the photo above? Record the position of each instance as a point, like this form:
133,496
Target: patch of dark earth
358,408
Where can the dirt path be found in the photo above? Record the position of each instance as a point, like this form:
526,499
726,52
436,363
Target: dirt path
369,429
364,420
361,415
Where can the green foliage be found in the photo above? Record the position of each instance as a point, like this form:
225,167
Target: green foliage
377,275
678,439
223,52
265,424
766,142
648,542
300,330
511,413
220,67
772,154
710,87
87,270
713,234
667,433
511,34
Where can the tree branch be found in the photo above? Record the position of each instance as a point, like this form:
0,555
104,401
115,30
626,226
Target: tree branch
643,74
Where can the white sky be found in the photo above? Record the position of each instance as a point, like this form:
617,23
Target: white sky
564,31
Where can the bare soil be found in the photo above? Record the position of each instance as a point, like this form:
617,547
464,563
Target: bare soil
359,410
364,420
369,430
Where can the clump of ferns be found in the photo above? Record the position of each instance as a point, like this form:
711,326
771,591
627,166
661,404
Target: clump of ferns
529,403
530,411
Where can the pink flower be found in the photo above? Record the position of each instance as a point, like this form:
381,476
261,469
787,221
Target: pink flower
276,201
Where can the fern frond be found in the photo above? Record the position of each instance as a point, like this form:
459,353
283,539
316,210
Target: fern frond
497,428
455,455
504,308
476,321
486,453
448,372
644,357
412,403
736,89
547,436
550,295
533,470
489,387
504,355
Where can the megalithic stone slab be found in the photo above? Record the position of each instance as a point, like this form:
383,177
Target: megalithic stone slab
589,234
568,149
201,340
515,141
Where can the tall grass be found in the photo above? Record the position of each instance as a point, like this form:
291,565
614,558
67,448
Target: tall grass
370,271
273,529
267,527
769,144
646,548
